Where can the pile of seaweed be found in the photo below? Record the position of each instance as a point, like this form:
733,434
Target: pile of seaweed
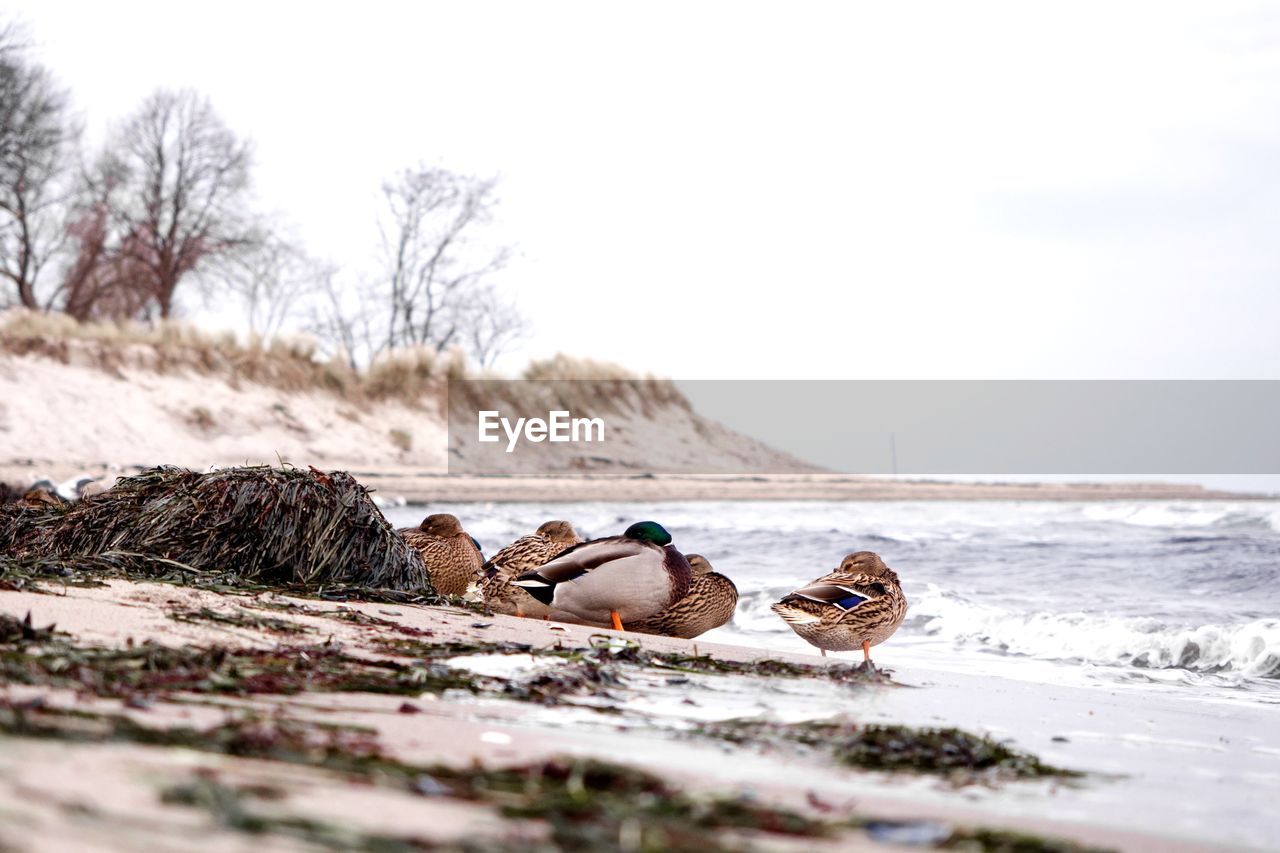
243,526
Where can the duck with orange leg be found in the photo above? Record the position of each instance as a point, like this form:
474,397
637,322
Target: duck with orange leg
608,582
859,605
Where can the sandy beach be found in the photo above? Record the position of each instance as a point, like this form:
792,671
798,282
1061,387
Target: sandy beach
1136,795
915,361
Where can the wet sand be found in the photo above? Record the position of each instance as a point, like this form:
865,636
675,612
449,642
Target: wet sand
1157,773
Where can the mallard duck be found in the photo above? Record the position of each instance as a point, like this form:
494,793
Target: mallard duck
452,557
859,604
524,555
608,582
710,602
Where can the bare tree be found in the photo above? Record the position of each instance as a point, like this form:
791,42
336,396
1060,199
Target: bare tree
343,319
100,281
492,326
274,279
37,136
435,263
180,198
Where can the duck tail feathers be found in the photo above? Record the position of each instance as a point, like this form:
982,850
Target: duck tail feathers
537,587
794,615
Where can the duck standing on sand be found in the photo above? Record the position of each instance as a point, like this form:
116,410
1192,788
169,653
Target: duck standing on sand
612,581
859,604
452,557
525,554
710,602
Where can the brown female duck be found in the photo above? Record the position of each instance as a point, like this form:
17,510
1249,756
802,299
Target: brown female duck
524,555
452,557
860,604
709,603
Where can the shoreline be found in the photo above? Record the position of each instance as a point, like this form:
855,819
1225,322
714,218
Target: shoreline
419,486
423,488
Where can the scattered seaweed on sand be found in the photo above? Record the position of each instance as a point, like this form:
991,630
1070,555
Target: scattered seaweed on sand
377,623
936,834
149,669
598,805
21,631
239,808
240,525
987,840
240,619
962,756
138,673
944,750
602,666
588,804
31,573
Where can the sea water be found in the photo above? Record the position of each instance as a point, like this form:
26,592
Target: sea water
1169,596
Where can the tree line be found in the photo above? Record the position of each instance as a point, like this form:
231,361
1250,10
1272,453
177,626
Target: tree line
163,208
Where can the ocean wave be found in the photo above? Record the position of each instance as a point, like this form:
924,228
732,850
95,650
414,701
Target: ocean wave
1183,515
1250,649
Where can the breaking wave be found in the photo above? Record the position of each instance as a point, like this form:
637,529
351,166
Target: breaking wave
1184,515
1249,648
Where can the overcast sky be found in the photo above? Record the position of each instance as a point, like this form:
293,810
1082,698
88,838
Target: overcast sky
783,190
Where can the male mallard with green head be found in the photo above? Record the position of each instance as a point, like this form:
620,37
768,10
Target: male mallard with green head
710,602
525,554
860,604
452,557
612,581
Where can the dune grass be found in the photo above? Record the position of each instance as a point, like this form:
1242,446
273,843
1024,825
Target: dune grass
413,374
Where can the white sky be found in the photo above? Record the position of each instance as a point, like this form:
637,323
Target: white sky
785,190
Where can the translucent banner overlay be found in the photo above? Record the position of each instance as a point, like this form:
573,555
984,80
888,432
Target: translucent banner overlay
625,426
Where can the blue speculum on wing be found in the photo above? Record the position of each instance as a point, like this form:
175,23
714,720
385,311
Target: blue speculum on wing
850,601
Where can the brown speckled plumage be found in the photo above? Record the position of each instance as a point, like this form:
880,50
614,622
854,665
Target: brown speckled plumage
453,561
812,613
709,603
523,555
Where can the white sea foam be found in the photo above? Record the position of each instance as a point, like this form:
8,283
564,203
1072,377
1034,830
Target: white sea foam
1249,648
1158,514
1184,514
